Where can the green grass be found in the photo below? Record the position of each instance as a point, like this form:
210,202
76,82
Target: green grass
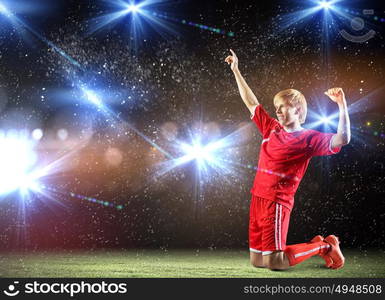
177,263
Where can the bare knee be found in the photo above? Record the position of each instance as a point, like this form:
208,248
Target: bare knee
257,264
276,261
275,266
256,260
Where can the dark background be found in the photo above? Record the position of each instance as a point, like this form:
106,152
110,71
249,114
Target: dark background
183,79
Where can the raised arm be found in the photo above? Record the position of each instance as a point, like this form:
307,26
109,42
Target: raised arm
342,137
247,94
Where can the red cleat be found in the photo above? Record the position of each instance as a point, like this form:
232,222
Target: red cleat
328,260
335,254
317,238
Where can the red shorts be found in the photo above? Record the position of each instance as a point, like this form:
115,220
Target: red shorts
269,222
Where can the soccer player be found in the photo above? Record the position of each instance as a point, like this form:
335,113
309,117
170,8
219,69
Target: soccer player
285,153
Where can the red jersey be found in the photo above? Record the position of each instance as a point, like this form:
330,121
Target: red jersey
284,157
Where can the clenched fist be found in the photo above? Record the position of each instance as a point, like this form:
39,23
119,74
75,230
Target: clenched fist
336,94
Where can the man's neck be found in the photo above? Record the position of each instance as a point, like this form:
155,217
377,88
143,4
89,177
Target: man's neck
293,127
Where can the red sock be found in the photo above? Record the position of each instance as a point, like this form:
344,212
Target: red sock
299,252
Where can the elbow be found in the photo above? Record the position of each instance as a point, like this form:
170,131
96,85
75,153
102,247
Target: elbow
341,140
345,140
348,138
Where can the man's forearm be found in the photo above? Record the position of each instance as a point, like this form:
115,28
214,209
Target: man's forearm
247,94
343,131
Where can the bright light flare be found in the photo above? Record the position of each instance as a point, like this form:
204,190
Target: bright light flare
17,157
3,9
137,16
325,4
132,8
328,4
92,97
19,24
313,7
326,120
210,157
37,134
204,155
97,98
330,121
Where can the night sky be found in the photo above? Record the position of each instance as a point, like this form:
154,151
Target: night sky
110,110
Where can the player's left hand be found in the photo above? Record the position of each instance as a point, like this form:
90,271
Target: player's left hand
336,94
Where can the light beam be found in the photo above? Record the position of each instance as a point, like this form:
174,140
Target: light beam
132,8
325,4
3,9
136,15
17,157
19,22
92,97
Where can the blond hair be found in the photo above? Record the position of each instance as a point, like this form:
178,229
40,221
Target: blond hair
296,99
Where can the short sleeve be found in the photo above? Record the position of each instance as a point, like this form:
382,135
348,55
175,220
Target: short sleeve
320,144
262,119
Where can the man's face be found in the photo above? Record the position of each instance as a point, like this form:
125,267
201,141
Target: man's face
286,113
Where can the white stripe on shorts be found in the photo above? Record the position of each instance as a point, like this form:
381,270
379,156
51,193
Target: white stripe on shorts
280,227
276,226
255,250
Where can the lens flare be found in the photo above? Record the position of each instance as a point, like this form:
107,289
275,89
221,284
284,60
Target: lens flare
18,23
3,9
325,4
17,157
132,8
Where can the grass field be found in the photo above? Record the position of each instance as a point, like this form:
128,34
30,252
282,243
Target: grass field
177,263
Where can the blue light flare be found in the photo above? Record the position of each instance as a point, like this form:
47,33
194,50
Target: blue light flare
329,122
104,203
20,24
21,170
92,97
314,7
325,4
4,10
204,155
135,14
209,158
17,157
213,158
132,8
97,99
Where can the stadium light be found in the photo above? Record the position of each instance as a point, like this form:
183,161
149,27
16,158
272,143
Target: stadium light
325,4
326,120
132,8
16,159
135,13
329,121
207,157
196,151
4,10
37,134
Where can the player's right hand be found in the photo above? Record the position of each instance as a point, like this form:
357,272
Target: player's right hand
232,60
336,95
